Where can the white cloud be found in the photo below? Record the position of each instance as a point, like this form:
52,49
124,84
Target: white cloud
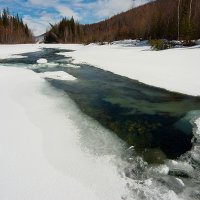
108,8
79,9
38,25
57,5
67,12
45,3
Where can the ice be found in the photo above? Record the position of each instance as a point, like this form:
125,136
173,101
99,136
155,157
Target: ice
181,182
161,169
42,61
197,42
174,184
179,165
130,43
59,75
73,66
8,51
148,182
197,122
43,148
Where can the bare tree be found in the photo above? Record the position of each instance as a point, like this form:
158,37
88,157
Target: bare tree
190,11
179,3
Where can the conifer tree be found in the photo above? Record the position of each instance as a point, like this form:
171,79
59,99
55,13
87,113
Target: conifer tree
13,29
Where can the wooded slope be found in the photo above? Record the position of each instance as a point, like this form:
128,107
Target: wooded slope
161,19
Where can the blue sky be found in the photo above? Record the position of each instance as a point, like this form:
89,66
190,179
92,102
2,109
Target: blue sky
39,13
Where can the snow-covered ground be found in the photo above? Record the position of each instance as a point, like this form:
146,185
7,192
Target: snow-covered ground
43,145
7,51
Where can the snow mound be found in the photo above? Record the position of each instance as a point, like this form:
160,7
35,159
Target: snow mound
179,165
162,169
59,75
40,147
42,61
130,43
180,182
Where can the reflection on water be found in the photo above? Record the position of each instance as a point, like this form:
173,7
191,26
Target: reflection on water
153,120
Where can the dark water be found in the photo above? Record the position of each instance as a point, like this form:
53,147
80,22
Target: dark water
155,121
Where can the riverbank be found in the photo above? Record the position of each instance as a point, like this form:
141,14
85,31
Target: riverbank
42,154
173,69
42,145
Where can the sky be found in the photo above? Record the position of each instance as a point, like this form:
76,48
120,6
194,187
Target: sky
39,13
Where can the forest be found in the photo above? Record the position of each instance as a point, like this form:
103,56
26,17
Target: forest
161,19
13,30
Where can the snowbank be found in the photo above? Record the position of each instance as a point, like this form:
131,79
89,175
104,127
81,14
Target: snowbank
42,61
174,69
41,151
8,51
59,75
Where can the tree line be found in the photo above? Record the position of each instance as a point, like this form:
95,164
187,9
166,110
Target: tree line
161,19
13,30
66,31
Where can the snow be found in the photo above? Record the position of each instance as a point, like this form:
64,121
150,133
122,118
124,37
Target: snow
7,51
130,43
180,182
59,75
198,42
182,166
48,149
174,69
161,169
73,66
42,61
41,151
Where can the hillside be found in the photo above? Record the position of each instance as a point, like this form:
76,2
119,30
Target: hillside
169,19
13,30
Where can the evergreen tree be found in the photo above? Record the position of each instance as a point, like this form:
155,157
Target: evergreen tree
13,29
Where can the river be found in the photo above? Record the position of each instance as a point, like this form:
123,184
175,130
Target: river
159,140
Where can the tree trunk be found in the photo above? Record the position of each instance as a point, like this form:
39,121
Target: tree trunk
179,3
190,11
